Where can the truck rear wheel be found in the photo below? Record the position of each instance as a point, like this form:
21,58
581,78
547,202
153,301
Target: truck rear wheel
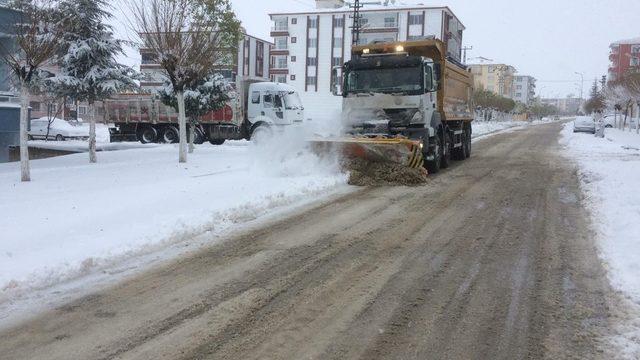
445,160
148,135
467,142
170,135
433,166
216,141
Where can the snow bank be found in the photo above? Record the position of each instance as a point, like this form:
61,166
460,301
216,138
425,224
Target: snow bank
75,218
609,171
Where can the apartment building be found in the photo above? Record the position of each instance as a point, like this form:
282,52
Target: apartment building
569,105
496,77
524,89
624,56
307,45
249,60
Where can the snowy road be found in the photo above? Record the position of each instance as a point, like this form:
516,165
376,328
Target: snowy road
492,259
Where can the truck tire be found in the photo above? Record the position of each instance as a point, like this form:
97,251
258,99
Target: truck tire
445,159
216,141
170,135
433,166
198,136
148,135
460,153
260,133
59,137
468,142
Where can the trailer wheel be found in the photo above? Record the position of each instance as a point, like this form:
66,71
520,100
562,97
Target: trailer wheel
148,135
445,160
433,166
170,135
216,141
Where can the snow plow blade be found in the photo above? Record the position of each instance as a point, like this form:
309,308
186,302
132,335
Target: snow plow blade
377,149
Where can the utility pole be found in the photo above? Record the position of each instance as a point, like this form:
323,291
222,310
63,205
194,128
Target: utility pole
581,84
357,17
464,50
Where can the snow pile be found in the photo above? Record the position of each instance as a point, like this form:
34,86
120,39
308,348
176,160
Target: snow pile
76,218
609,170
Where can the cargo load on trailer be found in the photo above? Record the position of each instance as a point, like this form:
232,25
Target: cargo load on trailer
404,103
258,109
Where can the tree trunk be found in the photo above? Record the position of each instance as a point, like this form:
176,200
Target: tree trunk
25,171
182,124
92,135
192,128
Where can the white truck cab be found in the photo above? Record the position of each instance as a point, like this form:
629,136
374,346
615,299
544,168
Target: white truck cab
273,105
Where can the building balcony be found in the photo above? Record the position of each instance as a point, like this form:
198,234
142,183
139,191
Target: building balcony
282,50
279,71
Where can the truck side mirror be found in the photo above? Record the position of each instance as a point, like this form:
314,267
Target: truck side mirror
336,81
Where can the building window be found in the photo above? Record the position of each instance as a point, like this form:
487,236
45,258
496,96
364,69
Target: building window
292,77
281,25
281,62
338,22
518,94
416,19
414,37
293,58
294,21
337,42
259,58
311,80
294,40
312,43
635,61
518,87
255,97
279,78
337,61
35,106
635,49
312,61
313,23
281,43
390,22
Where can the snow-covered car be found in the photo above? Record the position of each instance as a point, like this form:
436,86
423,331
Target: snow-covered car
584,124
613,120
60,130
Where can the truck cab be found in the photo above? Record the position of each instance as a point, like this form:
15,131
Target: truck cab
394,94
273,105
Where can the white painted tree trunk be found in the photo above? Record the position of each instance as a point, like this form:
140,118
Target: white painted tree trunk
182,128
93,158
25,171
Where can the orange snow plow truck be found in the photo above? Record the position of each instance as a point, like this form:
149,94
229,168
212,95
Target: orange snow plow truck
404,102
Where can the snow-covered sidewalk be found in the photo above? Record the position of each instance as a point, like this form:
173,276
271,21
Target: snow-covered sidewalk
75,218
609,171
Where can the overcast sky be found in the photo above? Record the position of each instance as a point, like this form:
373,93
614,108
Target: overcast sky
548,39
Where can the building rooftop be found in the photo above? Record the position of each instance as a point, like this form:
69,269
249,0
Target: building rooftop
627,41
391,7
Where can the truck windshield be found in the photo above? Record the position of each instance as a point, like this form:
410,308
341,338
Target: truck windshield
292,101
407,80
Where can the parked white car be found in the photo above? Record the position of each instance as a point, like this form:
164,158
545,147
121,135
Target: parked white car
60,130
615,120
584,124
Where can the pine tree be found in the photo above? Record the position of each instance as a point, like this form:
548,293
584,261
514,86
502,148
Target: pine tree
89,70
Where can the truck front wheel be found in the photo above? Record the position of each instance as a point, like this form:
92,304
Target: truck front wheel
216,141
433,165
